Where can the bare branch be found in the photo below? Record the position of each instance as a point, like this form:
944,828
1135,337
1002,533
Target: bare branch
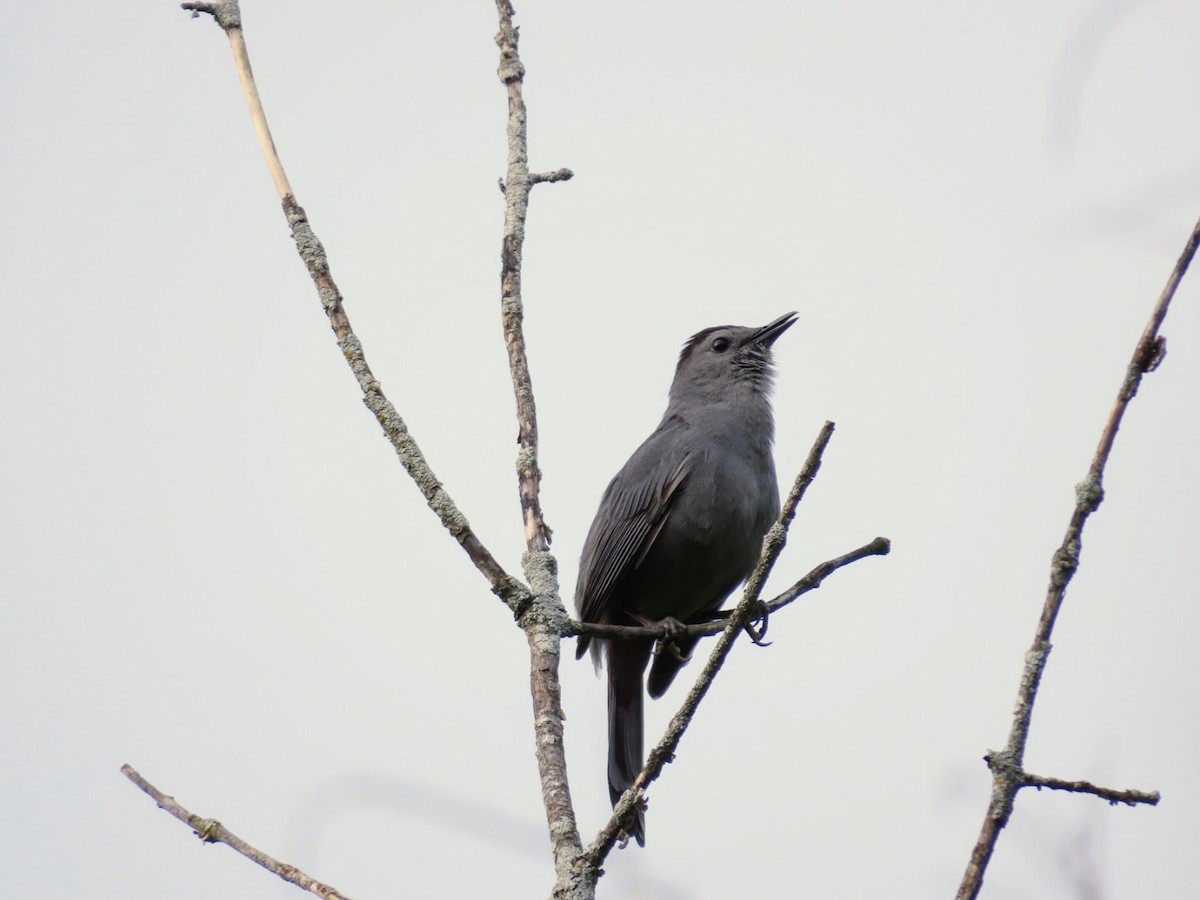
551,177
226,13
213,832
664,751
1113,796
229,17
881,546
542,621
516,185
1009,778
312,253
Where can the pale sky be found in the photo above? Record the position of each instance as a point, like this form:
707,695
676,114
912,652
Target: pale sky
213,567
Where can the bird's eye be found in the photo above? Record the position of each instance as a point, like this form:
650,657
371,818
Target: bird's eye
721,344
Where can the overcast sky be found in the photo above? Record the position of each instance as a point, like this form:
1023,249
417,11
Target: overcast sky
214,569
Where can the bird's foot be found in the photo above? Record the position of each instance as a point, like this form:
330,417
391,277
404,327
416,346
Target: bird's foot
760,618
633,823
672,632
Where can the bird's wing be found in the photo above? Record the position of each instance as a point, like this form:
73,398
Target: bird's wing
632,513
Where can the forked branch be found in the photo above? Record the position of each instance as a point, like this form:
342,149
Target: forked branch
516,186
228,15
538,606
1007,765
542,620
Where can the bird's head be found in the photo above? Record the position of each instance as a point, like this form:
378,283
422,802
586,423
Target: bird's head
728,362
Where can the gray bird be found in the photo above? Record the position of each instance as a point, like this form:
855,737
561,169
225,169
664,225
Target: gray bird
681,525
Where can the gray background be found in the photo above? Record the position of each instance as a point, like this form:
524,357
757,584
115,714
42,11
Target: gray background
214,569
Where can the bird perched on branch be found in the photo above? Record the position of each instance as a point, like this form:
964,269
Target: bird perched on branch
681,525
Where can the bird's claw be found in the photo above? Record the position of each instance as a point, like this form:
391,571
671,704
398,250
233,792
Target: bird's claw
761,617
672,632
674,650
673,629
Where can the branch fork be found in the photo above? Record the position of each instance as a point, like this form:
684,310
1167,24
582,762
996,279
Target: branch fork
1008,776
536,602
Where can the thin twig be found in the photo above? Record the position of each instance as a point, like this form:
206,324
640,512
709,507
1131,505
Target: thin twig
516,185
213,832
664,751
311,251
1113,796
881,546
551,177
1008,775
542,620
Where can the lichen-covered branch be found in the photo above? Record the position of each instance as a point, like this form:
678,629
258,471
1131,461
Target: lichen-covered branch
542,623
1008,774
544,617
516,186
312,253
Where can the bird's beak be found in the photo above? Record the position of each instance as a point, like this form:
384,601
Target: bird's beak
768,333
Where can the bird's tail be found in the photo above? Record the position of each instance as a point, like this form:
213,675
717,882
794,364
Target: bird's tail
627,662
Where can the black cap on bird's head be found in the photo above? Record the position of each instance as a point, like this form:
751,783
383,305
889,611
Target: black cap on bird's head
716,359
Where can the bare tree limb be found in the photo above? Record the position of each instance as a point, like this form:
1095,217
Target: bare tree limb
516,185
229,16
1128,797
1008,775
551,177
538,607
540,616
213,832
226,12
543,618
509,589
664,751
881,546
